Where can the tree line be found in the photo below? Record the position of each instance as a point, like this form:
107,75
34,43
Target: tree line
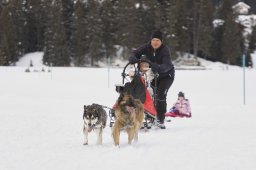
80,33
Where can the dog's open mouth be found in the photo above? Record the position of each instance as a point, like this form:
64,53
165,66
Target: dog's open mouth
90,128
130,109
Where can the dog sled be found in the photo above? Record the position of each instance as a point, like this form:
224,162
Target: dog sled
139,86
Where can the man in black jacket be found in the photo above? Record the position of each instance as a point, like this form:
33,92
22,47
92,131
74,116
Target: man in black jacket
159,56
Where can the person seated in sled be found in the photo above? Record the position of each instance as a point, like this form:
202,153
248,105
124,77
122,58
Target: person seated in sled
144,69
140,79
181,108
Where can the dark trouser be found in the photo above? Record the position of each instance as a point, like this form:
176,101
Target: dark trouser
163,85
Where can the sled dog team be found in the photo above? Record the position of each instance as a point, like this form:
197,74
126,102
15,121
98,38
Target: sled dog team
129,114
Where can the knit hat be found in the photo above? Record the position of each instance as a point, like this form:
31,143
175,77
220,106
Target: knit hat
181,94
157,34
143,58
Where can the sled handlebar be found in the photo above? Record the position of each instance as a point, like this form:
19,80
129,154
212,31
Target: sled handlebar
125,67
155,75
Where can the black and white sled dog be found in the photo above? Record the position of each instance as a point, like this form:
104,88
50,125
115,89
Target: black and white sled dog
95,118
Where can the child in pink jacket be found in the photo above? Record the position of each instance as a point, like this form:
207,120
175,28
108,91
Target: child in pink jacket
181,108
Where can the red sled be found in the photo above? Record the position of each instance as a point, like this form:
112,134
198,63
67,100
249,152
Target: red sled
148,100
177,114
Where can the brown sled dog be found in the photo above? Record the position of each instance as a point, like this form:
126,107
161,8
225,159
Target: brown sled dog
129,114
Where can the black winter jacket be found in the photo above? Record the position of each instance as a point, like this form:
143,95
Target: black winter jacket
160,56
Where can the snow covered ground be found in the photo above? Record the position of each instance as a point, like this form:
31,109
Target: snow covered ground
41,122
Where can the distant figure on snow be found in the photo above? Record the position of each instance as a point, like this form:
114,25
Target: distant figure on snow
181,108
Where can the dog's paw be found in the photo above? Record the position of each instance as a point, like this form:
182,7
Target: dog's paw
115,146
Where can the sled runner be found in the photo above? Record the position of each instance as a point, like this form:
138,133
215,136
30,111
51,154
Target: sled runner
177,114
140,88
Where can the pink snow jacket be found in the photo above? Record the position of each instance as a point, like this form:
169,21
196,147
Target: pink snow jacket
183,106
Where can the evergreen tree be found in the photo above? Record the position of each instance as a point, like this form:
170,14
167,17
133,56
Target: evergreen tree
94,31
182,37
225,9
204,29
252,43
161,16
172,20
37,11
8,39
55,51
68,13
227,45
79,44
232,46
146,21
109,37
126,23
215,48
20,22
31,28
251,48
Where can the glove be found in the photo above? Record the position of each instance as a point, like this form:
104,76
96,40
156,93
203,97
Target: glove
133,59
155,67
173,109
